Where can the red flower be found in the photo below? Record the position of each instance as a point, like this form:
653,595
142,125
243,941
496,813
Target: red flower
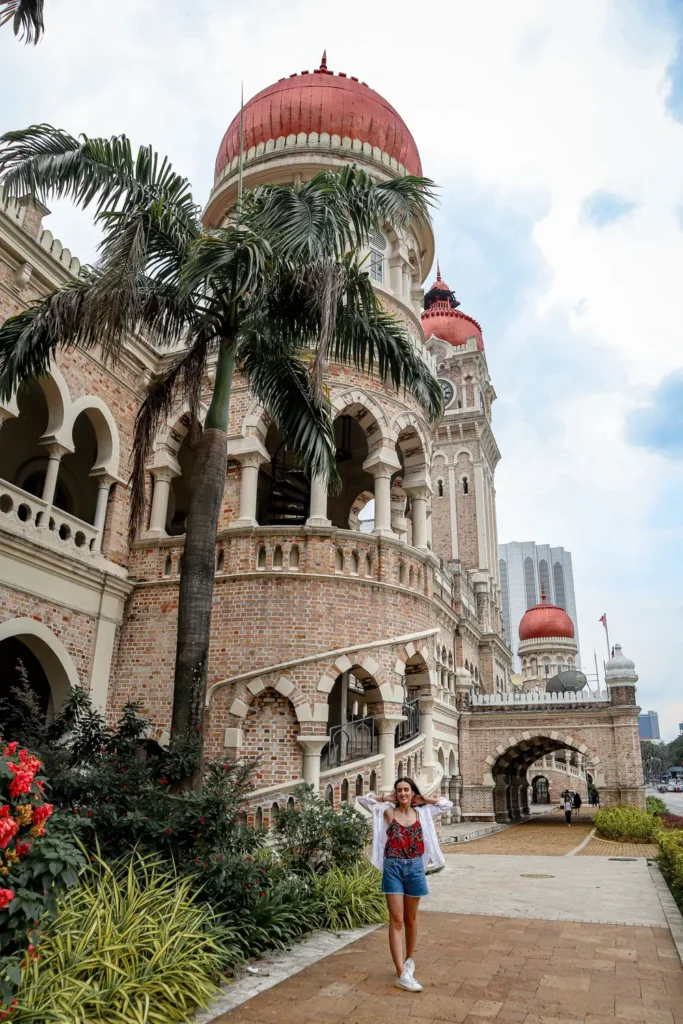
169,831
42,813
4,811
23,849
6,897
163,782
8,828
21,783
11,748
219,857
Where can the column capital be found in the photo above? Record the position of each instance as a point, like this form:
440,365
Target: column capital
387,723
418,484
55,449
251,460
426,704
164,474
312,744
382,463
104,479
240,447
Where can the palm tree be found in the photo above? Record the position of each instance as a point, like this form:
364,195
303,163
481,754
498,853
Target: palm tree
277,293
26,17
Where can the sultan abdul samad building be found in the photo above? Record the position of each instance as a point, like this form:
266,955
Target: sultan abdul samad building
339,656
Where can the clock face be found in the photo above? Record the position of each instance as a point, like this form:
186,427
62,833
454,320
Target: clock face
447,389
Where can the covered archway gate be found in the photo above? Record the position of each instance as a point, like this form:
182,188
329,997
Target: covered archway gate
503,735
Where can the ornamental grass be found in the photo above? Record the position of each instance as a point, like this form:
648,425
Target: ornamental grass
130,945
351,897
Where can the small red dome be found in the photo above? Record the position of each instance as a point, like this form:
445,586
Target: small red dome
545,620
321,101
441,317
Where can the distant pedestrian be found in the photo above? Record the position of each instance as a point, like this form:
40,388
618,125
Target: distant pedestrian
595,798
577,804
568,809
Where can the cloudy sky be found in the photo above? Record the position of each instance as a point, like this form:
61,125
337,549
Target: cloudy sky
555,130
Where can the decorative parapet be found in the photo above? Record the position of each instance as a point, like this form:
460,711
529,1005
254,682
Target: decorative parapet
59,252
540,697
16,210
13,209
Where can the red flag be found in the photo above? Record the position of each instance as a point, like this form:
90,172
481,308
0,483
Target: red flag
603,619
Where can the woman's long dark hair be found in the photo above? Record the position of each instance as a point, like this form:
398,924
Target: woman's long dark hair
413,786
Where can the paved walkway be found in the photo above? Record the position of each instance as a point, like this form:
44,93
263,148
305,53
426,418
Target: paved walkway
547,835
479,969
602,848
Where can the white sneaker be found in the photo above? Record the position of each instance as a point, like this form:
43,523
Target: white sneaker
409,966
407,982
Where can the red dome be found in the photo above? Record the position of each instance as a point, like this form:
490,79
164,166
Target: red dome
545,620
321,102
445,321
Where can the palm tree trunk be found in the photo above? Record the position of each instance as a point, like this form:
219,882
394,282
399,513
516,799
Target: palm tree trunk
199,558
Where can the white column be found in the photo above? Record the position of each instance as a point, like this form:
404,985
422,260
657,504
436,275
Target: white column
452,490
382,475
427,729
312,745
418,499
481,515
430,538
318,509
104,483
386,726
396,276
399,523
250,463
54,457
160,495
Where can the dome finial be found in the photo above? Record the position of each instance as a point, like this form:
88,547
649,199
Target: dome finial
323,62
438,271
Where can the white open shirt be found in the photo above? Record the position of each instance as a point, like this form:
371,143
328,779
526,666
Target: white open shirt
425,812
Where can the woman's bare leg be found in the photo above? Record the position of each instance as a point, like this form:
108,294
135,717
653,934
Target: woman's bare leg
410,905
395,905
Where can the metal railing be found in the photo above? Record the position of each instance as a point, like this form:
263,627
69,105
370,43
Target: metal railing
411,727
349,742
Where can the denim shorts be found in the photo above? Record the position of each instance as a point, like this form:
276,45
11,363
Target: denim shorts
403,877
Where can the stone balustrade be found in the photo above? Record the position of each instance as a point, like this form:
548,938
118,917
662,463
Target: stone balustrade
582,697
26,516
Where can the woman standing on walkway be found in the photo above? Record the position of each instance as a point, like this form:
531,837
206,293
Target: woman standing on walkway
404,843
577,804
568,808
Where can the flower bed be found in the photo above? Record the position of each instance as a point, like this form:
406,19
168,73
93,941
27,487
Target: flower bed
627,824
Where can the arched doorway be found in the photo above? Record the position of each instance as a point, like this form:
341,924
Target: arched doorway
510,774
351,722
540,790
46,661
284,489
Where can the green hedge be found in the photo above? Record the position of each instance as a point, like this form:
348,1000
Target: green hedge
656,806
628,824
671,861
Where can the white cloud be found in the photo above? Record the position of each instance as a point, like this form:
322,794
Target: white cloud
539,105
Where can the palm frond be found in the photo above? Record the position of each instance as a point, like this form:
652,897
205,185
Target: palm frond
230,261
180,383
26,17
46,161
281,381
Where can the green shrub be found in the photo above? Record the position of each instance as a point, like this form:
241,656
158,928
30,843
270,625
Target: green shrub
351,897
670,844
655,805
316,837
627,823
128,945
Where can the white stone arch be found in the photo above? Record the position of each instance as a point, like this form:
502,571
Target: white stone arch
440,454
173,432
256,422
106,432
58,399
57,663
515,744
413,440
452,764
367,412
441,759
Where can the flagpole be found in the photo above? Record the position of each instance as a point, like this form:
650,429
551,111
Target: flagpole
609,649
597,674
241,159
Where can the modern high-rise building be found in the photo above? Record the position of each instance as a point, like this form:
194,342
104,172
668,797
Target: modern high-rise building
526,568
648,725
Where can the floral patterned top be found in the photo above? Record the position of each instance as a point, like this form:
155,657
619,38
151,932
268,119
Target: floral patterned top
404,842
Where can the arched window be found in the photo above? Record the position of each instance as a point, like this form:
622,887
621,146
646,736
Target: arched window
258,818
294,556
345,791
411,578
402,573
399,771
373,781
168,565
220,561
558,577
439,488
378,245
368,565
274,812
353,563
467,664
291,806
329,795
339,560
261,558
529,582
465,485
359,785
277,557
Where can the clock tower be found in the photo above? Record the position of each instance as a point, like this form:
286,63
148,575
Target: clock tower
464,528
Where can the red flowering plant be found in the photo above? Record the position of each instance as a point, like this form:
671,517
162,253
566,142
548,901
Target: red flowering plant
33,865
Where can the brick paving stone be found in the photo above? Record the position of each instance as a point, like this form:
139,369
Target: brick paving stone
546,835
602,848
566,972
